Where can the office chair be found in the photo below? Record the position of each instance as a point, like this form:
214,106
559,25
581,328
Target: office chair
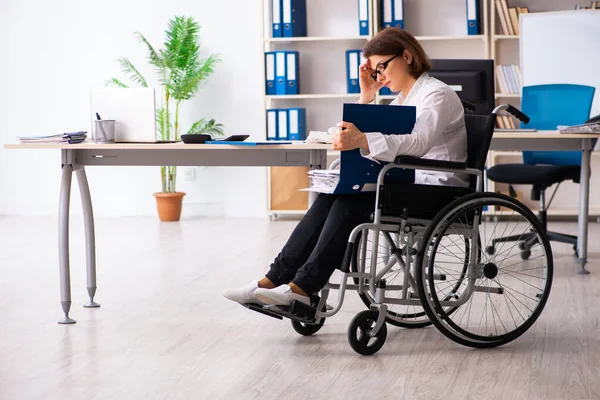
548,106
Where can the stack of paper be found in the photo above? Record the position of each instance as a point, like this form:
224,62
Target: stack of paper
593,127
323,180
75,137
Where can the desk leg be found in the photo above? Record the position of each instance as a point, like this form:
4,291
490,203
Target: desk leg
63,242
90,239
584,200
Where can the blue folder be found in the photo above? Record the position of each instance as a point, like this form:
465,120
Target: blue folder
357,171
473,17
294,18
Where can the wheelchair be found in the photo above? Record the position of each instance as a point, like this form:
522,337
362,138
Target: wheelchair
424,262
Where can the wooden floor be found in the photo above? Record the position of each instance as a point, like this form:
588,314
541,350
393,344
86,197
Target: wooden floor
165,332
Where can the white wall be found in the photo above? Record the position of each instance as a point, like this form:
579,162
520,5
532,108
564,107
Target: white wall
53,51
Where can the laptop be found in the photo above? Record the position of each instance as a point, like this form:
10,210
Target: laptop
133,109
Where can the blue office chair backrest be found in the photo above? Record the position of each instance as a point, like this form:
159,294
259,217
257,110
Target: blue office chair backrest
549,106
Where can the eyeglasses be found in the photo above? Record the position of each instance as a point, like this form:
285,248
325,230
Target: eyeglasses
381,68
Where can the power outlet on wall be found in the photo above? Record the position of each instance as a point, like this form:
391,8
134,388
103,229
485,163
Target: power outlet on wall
189,174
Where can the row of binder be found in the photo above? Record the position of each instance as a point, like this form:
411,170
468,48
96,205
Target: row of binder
392,15
282,72
286,124
288,17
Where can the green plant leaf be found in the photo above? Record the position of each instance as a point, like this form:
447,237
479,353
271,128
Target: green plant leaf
134,74
190,82
181,42
156,59
115,82
205,127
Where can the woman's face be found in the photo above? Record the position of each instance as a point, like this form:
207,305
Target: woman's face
392,71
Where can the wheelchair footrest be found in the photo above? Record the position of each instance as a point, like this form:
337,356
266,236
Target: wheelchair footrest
296,311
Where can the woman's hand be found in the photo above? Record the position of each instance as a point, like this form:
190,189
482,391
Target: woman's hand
368,87
349,138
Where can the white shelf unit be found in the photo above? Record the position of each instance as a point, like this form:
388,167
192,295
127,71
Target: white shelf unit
504,50
332,27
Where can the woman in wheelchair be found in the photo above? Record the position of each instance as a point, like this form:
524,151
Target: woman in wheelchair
320,242
394,58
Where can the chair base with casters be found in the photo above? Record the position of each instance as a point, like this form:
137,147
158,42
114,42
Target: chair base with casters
423,263
541,177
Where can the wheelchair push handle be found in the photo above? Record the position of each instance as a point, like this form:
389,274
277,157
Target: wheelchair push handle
514,111
517,113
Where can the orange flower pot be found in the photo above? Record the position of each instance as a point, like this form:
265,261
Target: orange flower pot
169,205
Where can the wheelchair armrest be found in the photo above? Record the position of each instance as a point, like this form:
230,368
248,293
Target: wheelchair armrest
423,162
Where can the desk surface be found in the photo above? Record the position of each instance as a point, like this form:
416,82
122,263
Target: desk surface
298,146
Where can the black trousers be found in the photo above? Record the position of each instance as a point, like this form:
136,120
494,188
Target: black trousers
317,244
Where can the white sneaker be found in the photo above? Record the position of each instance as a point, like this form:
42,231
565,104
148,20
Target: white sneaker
243,295
280,296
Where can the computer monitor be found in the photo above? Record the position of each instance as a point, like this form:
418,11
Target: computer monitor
473,80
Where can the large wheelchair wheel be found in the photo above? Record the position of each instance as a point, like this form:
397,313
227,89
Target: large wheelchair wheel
501,295
412,314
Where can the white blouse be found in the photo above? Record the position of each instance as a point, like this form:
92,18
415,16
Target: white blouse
439,132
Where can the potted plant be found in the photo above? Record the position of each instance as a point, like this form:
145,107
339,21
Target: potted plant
180,73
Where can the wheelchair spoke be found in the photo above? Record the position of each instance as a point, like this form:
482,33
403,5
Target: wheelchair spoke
523,262
510,291
506,298
535,287
492,310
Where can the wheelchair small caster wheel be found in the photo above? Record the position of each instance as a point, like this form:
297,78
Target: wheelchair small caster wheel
525,254
522,246
359,333
490,250
307,329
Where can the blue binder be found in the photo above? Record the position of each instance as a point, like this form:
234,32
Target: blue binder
282,124
297,123
270,73
272,126
353,71
294,18
277,30
358,173
398,14
292,72
473,17
363,17
280,72
386,13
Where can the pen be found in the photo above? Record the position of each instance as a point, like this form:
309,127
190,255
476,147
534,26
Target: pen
101,127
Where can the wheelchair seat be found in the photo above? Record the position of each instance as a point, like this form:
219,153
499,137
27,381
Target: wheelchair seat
419,201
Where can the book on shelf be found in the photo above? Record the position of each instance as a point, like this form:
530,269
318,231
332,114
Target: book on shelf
508,78
509,17
505,122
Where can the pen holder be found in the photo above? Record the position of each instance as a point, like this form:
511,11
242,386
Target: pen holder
104,131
